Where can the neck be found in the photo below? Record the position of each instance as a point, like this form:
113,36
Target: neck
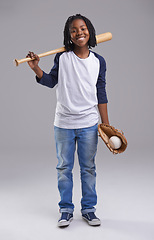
81,52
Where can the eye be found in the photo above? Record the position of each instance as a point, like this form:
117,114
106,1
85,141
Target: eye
73,31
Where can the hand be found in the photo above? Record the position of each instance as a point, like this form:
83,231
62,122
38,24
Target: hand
33,64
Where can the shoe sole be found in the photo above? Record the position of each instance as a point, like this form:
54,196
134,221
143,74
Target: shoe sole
92,223
64,223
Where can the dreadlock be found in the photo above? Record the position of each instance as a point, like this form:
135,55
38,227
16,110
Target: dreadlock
67,37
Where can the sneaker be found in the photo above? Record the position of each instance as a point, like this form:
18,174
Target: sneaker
91,219
65,219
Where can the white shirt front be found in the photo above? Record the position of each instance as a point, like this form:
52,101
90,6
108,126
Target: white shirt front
76,91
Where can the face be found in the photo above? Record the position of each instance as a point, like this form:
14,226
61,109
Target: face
79,33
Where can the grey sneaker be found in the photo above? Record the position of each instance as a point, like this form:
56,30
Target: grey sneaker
65,219
91,219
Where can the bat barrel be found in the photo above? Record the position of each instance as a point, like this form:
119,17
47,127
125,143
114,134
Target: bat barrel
103,37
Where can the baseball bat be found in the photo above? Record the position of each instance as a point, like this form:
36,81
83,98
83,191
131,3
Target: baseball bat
99,38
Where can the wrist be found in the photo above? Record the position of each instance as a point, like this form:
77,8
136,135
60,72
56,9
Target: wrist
106,122
35,68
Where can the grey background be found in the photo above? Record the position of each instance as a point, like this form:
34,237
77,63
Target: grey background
29,196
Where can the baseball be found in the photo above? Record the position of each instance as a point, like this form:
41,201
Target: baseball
115,142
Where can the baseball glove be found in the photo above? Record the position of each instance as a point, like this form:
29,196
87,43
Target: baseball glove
106,131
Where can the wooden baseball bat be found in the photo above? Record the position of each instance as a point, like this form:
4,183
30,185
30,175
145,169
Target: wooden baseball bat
99,38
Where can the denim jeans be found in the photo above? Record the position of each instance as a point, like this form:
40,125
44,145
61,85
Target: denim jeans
86,140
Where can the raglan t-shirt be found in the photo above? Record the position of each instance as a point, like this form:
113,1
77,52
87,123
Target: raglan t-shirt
80,87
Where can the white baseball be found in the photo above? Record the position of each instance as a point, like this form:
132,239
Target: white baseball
115,142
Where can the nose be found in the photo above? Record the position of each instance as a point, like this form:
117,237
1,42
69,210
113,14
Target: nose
79,32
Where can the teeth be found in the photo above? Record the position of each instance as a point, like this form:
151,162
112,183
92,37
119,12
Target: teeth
81,38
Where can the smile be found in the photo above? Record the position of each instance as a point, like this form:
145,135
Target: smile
80,38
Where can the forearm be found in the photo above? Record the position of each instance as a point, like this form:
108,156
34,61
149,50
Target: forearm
38,71
103,112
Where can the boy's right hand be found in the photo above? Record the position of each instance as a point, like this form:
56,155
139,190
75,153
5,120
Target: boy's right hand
33,64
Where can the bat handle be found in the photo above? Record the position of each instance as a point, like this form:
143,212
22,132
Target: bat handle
17,62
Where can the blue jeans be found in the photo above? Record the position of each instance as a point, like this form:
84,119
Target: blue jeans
86,140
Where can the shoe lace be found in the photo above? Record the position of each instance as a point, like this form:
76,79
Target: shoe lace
65,216
91,215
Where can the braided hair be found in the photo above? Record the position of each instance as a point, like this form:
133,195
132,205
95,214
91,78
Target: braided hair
69,45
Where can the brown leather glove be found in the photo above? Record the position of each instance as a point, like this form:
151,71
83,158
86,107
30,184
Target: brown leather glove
106,131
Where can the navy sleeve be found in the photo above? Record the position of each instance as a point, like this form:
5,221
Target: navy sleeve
50,79
101,82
